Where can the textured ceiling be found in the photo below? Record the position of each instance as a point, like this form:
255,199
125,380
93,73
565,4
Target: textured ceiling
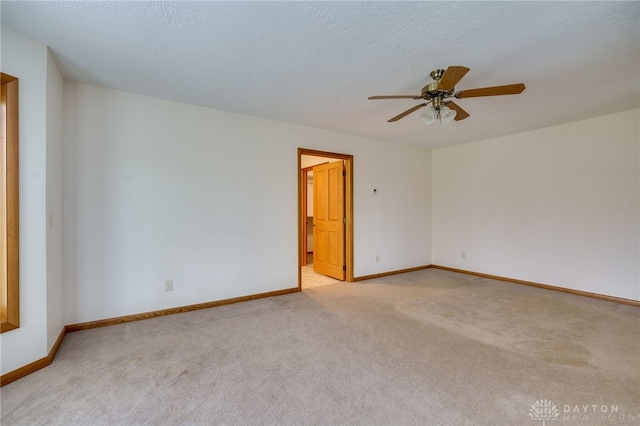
315,63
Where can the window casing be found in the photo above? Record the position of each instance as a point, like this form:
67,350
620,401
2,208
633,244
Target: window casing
9,206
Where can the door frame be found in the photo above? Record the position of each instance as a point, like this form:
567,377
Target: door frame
302,209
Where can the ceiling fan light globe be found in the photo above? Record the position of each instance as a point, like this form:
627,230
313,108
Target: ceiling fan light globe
447,115
429,117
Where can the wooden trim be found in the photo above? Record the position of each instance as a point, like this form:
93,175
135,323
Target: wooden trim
303,217
21,372
386,274
56,345
10,283
348,159
302,233
348,199
545,286
3,205
6,78
178,310
509,280
46,361
315,153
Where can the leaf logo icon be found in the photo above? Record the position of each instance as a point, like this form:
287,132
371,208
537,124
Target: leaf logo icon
543,409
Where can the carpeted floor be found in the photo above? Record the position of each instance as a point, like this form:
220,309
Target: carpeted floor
429,347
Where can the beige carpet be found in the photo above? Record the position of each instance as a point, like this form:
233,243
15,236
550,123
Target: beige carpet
428,347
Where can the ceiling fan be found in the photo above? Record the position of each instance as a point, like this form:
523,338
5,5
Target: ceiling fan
441,89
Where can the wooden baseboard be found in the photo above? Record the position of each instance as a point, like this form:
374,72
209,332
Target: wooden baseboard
545,286
386,274
171,311
44,362
19,373
14,375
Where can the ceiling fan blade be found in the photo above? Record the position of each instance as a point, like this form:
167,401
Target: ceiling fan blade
407,112
460,113
451,77
510,89
396,97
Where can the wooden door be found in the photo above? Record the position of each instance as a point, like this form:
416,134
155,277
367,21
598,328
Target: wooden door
329,220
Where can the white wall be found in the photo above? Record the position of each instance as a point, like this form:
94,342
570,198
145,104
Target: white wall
27,60
54,220
557,206
397,212
158,190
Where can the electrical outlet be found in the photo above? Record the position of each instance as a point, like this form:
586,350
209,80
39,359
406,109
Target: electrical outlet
168,285
377,258
463,255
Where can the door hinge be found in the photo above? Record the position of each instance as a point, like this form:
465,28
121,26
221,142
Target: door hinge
344,173
344,220
344,267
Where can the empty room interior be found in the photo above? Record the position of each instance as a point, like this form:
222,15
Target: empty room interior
320,213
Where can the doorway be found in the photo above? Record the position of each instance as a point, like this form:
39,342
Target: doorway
342,251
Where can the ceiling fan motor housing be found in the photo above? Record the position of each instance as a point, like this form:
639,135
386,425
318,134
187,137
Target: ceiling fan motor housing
430,91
